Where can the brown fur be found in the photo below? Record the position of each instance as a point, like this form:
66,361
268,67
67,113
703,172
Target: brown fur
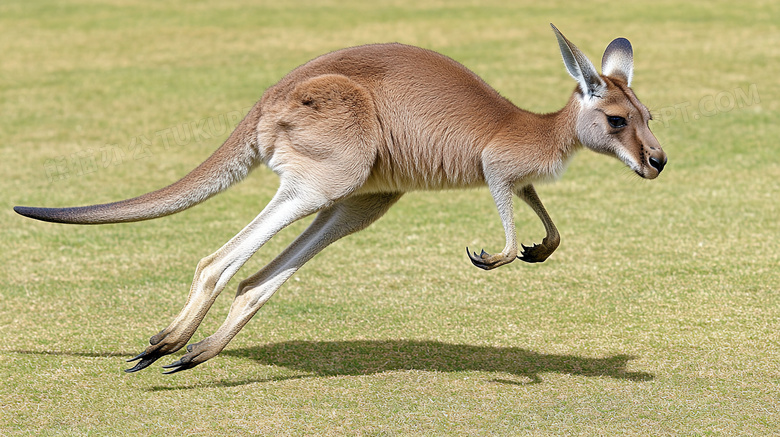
349,132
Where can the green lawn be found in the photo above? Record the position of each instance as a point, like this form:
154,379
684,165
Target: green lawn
658,315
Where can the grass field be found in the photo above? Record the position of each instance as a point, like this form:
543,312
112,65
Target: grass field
658,315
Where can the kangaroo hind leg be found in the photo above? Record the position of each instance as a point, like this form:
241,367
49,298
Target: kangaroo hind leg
214,271
323,147
341,219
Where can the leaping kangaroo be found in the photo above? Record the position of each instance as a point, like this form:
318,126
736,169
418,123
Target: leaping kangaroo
351,131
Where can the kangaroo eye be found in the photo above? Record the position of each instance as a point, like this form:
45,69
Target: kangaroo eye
616,122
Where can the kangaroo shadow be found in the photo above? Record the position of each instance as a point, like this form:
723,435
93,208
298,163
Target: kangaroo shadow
360,357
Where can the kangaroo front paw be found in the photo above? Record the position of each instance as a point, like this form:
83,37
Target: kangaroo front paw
536,253
487,261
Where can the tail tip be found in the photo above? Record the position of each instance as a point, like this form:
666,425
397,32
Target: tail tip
22,210
43,214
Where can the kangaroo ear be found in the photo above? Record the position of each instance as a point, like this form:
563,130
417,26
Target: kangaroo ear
579,66
618,60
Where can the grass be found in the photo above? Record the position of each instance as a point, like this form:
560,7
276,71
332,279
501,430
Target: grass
658,315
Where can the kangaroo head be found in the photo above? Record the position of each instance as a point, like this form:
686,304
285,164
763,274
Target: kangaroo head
611,120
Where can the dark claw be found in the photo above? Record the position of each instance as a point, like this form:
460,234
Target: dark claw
145,361
179,365
176,366
529,256
137,357
474,254
477,260
176,363
178,369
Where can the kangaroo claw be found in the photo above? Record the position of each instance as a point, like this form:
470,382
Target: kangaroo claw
487,261
178,366
144,360
535,254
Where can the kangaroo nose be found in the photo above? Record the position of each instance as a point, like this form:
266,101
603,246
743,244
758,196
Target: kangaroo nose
657,163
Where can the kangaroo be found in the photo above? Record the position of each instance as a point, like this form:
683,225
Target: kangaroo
349,132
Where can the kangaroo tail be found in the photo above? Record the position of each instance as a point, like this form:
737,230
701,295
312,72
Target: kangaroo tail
229,164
